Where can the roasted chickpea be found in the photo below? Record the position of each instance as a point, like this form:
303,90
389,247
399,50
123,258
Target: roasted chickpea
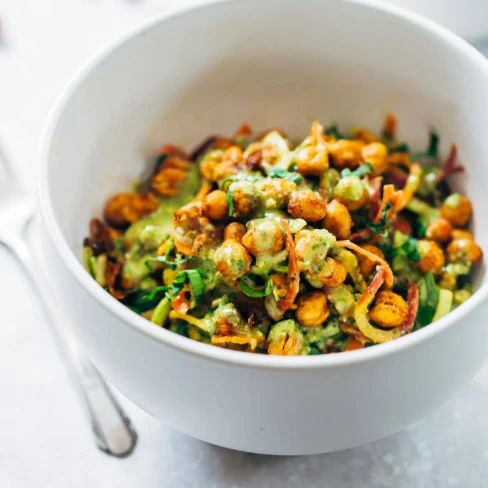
463,250
246,199
346,154
312,309
366,265
311,248
376,154
125,208
307,205
389,310
263,236
214,205
457,209
431,257
461,234
234,231
285,339
312,160
447,280
351,192
232,260
338,220
460,296
167,181
276,191
329,272
439,230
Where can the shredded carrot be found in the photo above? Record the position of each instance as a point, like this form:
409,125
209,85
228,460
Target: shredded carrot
293,278
390,126
385,266
361,312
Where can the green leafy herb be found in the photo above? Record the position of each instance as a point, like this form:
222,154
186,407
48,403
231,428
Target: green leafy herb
230,203
361,171
421,229
382,227
405,245
333,131
166,260
432,150
140,301
400,148
428,298
195,277
255,291
281,173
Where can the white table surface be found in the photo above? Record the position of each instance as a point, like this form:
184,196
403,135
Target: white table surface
44,440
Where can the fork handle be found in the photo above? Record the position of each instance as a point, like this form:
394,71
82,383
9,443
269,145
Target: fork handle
111,427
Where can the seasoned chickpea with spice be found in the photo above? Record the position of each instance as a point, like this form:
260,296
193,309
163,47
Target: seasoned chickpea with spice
329,272
276,191
351,192
214,205
285,339
263,236
245,198
232,260
234,231
312,309
431,257
439,230
366,265
457,209
376,154
389,309
338,219
126,208
463,250
307,205
461,234
346,154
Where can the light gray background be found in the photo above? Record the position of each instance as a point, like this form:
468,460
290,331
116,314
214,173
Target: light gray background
43,438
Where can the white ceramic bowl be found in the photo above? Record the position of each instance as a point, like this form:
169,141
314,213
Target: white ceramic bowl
267,62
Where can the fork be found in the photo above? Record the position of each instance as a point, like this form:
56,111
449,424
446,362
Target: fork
111,427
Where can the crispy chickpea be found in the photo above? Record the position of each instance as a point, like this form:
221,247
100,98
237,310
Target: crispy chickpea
463,250
312,309
263,236
276,191
376,154
431,257
246,199
234,231
389,310
461,234
312,160
307,205
457,209
232,260
338,220
285,339
170,176
346,154
351,192
311,248
329,273
366,265
439,230
125,208
214,205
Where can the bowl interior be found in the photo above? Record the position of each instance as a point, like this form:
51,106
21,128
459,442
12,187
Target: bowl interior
269,63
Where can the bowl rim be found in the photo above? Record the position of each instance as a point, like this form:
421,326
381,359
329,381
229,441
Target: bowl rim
183,344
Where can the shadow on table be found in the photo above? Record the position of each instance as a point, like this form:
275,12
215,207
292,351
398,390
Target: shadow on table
444,449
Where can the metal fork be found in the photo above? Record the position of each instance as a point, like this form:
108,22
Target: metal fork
111,427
